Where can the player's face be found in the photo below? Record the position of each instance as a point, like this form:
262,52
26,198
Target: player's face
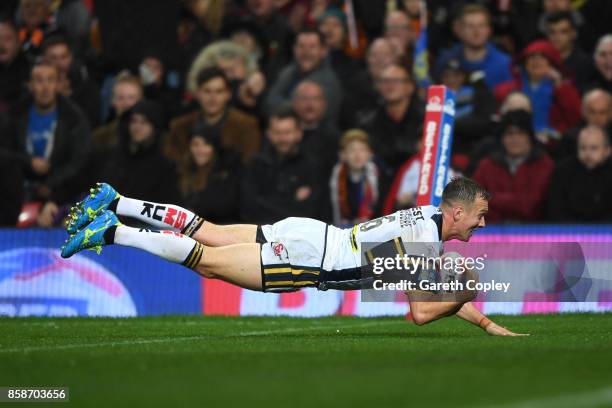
44,85
213,96
201,151
593,149
471,218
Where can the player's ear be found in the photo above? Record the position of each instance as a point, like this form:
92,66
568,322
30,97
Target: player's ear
458,211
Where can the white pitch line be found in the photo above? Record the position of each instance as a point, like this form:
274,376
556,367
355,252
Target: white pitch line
178,339
585,399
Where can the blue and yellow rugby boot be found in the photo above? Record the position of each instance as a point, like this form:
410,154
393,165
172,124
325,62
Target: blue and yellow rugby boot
92,236
86,210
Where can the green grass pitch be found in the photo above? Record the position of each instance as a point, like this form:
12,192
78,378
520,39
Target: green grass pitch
327,362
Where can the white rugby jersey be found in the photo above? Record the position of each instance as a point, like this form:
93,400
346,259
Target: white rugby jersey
414,225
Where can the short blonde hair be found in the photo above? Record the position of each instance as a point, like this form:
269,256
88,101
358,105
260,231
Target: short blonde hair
354,135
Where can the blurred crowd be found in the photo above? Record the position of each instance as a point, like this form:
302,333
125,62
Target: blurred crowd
256,110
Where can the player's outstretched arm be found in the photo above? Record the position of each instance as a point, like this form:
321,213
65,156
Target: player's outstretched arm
426,307
469,313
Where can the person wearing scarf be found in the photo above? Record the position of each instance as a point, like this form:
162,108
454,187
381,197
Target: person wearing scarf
356,182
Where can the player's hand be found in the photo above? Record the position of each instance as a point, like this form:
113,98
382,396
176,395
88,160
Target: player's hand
496,330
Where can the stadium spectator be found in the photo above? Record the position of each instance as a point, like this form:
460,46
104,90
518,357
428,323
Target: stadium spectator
399,31
136,166
555,100
474,105
33,18
159,85
394,128
586,34
209,177
516,100
596,111
475,51
200,22
14,66
51,139
561,31
74,80
320,136
602,76
517,174
362,98
581,186
238,129
332,25
276,31
310,63
357,187
127,91
247,83
244,32
282,181
72,18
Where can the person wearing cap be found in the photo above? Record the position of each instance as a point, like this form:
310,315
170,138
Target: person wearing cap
209,176
517,173
357,186
554,98
136,163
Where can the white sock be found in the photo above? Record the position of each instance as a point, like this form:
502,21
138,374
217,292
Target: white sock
163,216
169,245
